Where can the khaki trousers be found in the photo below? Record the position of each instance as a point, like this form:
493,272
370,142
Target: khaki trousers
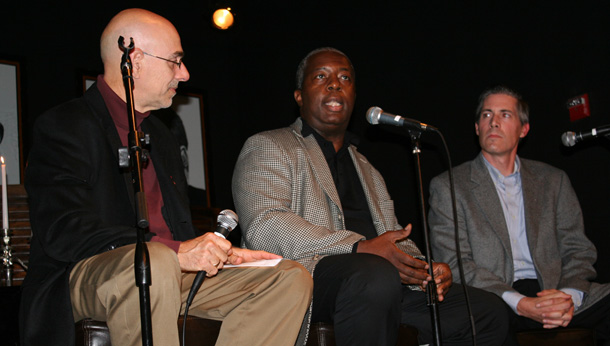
258,306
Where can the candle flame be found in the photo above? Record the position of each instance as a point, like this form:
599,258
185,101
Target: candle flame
2,159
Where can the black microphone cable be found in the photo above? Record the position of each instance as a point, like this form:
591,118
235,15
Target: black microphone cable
458,251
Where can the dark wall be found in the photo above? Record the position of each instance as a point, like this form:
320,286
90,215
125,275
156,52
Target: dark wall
425,60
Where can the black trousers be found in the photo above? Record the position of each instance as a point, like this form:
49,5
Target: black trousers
596,316
361,294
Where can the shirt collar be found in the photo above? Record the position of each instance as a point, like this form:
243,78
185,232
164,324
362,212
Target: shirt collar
495,173
307,130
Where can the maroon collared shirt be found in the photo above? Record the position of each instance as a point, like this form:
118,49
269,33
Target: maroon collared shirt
154,200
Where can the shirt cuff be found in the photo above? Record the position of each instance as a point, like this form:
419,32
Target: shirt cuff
577,296
512,299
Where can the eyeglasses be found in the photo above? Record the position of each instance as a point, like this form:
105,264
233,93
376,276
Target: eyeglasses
177,63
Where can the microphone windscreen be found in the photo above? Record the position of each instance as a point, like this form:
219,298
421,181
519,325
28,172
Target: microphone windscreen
568,139
227,219
372,115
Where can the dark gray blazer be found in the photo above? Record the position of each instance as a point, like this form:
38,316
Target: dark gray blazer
562,254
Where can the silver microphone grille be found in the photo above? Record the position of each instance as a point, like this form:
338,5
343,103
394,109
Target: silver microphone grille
228,219
568,139
373,114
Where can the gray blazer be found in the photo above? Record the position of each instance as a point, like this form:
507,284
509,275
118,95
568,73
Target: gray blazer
288,204
562,254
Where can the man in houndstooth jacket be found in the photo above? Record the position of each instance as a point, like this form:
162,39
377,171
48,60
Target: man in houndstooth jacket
305,192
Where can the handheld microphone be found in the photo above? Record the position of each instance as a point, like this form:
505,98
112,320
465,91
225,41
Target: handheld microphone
376,115
226,222
570,138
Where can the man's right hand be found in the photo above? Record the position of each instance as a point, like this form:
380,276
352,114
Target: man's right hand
412,271
552,308
208,252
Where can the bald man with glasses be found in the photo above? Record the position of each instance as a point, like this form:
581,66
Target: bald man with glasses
83,219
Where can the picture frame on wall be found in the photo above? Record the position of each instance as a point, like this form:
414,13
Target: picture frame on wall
87,81
11,144
190,109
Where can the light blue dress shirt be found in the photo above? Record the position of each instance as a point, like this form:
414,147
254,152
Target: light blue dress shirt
510,194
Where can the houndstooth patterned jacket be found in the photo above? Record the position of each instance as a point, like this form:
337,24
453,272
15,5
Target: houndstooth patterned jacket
287,201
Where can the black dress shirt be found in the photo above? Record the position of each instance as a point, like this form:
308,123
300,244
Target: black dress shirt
353,201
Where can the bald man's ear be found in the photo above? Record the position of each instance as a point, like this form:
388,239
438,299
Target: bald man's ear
298,97
136,62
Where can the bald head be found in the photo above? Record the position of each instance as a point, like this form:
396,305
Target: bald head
155,80
141,25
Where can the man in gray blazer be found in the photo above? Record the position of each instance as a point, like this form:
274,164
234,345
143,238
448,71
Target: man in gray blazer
306,193
520,227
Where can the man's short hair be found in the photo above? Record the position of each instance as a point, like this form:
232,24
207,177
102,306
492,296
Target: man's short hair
522,107
303,64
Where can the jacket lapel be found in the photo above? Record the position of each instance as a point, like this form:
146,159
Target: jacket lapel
366,180
318,163
532,195
96,102
487,198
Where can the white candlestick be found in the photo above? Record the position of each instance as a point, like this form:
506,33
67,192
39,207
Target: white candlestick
4,197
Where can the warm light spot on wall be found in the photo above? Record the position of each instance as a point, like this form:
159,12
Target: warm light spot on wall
222,18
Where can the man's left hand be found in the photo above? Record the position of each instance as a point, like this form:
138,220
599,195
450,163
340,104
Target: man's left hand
443,279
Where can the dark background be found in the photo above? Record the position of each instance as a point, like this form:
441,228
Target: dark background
426,60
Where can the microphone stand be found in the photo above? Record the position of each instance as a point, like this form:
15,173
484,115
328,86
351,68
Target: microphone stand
133,157
431,293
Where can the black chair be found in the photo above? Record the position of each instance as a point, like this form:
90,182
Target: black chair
199,332
557,337
204,332
321,334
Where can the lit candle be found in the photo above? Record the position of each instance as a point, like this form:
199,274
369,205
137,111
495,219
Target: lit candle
4,196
